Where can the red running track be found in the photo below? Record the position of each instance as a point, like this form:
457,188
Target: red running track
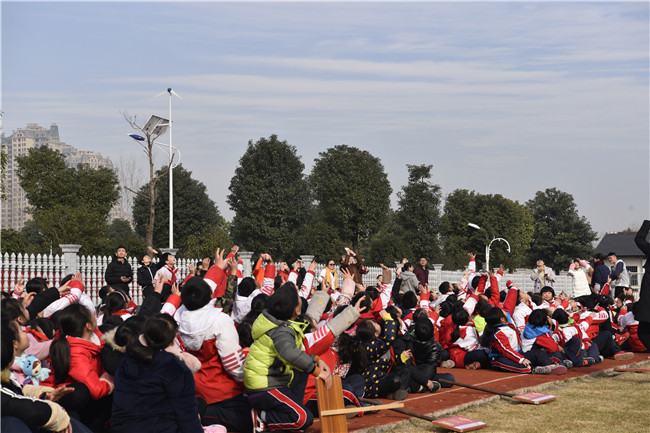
448,398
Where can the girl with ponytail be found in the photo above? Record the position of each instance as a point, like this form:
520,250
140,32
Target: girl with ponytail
154,389
75,359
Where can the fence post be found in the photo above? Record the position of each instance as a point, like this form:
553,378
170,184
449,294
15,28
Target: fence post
245,257
307,260
70,257
437,274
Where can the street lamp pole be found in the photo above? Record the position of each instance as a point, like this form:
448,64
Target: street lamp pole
488,246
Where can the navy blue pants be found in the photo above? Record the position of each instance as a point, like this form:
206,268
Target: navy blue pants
233,413
282,408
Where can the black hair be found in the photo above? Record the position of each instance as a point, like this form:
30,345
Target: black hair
460,317
372,292
366,330
66,279
612,253
141,256
9,335
394,312
70,321
347,353
445,309
482,307
45,325
547,289
277,282
258,304
423,329
246,286
599,256
406,266
475,282
409,300
560,316
536,299
444,287
104,291
12,309
110,322
158,333
420,313
538,317
120,246
502,296
245,332
36,285
129,330
492,322
283,302
114,302
196,294
365,303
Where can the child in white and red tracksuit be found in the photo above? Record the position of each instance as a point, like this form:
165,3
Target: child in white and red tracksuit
506,354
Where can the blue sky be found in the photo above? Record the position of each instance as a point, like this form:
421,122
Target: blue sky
508,98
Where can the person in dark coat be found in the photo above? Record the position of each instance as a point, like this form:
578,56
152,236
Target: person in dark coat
642,306
154,390
146,273
118,272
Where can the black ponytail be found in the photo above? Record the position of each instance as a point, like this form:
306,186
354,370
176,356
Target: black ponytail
70,321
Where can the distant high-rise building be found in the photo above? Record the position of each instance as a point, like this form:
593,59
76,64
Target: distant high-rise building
18,144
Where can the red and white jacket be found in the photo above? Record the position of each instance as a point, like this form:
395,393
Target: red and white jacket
210,335
506,342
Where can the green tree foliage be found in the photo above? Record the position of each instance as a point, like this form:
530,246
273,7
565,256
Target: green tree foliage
119,232
497,216
352,191
204,245
69,205
13,241
194,211
418,213
322,241
560,233
270,197
388,246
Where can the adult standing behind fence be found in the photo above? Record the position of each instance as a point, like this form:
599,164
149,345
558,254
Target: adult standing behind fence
422,272
642,306
118,272
542,276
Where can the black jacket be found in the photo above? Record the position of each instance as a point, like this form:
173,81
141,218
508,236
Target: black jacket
642,306
158,397
115,270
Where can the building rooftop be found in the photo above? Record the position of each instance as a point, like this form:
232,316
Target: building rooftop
620,243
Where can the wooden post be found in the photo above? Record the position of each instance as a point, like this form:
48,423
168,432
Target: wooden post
331,399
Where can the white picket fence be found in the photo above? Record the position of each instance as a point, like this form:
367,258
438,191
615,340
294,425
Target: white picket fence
92,268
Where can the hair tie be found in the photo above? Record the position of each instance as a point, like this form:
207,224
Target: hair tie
142,340
57,334
122,295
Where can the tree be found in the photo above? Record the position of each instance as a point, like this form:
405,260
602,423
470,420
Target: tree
119,232
270,197
352,191
388,245
497,216
560,233
194,211
321,240
418,213
69,204
147,141
204,245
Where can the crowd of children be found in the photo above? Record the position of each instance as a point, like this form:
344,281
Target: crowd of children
221,352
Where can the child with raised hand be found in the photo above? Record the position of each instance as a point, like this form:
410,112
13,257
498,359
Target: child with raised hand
276,369
506,354
154,389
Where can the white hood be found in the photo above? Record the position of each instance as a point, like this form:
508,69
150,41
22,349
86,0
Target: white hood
195,326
